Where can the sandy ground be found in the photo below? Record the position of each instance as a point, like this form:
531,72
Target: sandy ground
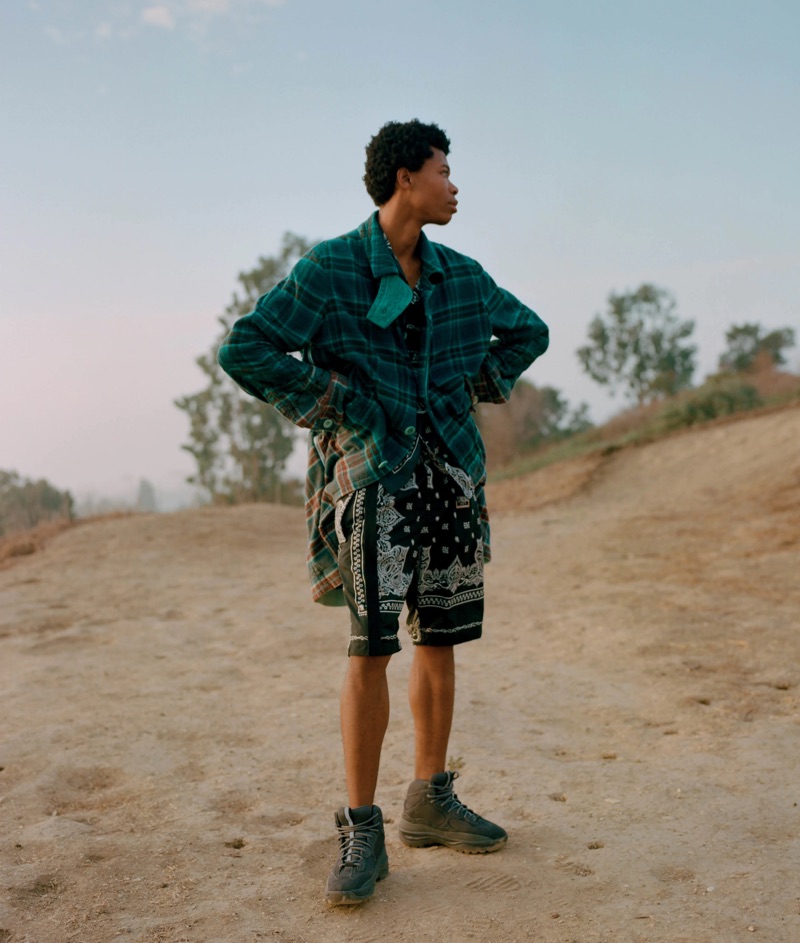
171,758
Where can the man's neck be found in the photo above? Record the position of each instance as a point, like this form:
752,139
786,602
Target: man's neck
402,232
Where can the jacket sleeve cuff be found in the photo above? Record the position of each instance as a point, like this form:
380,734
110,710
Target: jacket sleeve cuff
489,386
331,406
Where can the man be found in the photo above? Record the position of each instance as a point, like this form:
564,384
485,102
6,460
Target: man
400,338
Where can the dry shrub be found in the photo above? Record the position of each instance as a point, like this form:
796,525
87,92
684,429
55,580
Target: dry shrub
625,423
22,543
770,382
505,427
25,542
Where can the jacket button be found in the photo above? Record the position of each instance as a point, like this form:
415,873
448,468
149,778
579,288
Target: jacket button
411,430
328,423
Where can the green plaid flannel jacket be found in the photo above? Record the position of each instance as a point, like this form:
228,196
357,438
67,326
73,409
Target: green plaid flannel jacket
354,388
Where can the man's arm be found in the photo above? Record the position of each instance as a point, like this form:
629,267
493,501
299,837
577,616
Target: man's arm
258,351
519,337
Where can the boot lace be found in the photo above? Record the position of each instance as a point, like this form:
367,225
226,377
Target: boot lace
446,800
354,842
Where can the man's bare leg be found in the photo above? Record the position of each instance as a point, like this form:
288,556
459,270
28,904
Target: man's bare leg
431,693
364,718
433,814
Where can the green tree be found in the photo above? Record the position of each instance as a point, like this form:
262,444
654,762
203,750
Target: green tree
559,419
748,342
240,445
640,346
25,503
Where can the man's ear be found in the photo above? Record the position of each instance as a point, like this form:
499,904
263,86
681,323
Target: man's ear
403,178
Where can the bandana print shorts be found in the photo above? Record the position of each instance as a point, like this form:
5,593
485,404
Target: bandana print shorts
421,546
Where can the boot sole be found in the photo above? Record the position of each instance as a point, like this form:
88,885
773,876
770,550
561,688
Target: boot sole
425,839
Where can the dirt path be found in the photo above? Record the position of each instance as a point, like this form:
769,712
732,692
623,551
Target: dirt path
171,754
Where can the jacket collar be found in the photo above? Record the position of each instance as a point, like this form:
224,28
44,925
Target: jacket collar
394,293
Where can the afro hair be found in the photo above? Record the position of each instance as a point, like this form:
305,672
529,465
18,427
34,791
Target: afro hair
399,144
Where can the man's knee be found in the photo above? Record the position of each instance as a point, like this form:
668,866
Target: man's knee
434,654
367,667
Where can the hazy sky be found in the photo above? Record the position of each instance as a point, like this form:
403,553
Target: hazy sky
151,151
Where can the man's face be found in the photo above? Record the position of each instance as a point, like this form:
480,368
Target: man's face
432,192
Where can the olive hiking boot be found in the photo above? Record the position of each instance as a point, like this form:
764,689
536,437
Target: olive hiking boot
434,815
362,856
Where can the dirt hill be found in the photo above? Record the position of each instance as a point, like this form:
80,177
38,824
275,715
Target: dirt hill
171,757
